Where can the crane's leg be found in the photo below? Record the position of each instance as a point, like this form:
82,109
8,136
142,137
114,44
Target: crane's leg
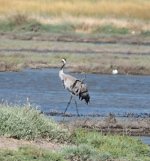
76,107
68,104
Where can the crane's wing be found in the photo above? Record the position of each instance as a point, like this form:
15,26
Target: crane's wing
80,89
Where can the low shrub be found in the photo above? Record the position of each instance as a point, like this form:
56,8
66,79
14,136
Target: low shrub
84,152
115,146
28,123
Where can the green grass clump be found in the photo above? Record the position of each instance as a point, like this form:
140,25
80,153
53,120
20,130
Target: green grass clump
84,152
57,28
145,33
110,29
14,22
22,23
27,123
30,154
113,146
34,26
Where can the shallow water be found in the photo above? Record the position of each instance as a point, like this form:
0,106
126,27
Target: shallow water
145,139
119,94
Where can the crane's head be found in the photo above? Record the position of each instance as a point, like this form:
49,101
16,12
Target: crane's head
63,61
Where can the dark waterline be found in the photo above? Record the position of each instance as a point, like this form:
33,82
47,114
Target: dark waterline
122,95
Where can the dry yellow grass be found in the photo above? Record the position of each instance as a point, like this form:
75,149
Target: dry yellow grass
92,8
85,16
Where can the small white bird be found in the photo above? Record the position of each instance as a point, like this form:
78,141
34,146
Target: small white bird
75,86
114,71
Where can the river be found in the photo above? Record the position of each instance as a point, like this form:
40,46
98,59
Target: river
122,95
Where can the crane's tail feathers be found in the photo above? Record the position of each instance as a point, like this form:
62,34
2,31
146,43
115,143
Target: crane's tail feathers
84,96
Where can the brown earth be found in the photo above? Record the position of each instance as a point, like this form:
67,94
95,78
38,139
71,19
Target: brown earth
14,144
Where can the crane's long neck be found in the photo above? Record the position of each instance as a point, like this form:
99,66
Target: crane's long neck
61,72
62,66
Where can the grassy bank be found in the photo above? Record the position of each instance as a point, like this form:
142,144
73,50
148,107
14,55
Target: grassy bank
130,55
78,63
25,122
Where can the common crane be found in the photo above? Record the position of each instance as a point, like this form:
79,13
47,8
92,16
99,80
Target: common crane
75,86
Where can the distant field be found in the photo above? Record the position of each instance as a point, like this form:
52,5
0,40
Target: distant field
88,16
114,8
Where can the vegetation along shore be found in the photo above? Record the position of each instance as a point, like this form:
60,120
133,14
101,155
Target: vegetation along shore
26,134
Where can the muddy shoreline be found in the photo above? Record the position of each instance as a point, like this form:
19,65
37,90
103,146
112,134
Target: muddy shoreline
131,125
112,125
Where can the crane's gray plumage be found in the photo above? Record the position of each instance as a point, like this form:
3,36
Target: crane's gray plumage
74,86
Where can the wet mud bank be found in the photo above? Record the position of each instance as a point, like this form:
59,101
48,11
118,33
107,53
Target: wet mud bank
131,125
112,125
